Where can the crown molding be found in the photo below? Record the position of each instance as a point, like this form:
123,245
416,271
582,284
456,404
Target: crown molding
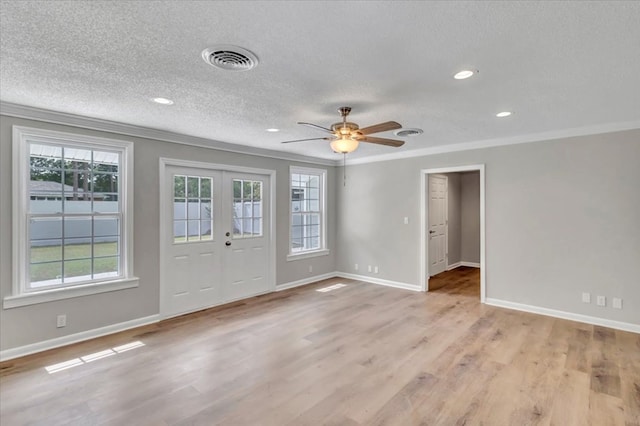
489,143
56,117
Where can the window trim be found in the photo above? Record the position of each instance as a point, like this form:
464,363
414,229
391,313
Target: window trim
323,250
22,136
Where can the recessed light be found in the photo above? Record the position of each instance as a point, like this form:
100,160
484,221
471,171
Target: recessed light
503,114
272,130
163,101
464,74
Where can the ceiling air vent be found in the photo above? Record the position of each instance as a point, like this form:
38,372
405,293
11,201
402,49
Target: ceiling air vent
408,132
230,58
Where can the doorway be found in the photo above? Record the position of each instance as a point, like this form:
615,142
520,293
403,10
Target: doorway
434,248
216,240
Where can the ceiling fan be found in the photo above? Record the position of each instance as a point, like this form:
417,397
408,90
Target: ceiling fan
346,136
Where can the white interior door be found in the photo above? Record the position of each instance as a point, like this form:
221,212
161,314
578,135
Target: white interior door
216,238
247,235
437,224
192,238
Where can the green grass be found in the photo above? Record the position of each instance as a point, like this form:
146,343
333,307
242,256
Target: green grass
46,262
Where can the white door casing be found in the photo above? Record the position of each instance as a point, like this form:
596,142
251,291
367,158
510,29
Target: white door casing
201,272
423,255
437,224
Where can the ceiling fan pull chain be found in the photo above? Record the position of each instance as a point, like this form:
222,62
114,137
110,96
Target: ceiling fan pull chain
344,169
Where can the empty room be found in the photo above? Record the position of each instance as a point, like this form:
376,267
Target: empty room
319,213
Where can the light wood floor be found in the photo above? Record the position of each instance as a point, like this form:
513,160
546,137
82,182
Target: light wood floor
359,355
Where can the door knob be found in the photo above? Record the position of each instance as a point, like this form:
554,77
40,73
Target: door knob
228,243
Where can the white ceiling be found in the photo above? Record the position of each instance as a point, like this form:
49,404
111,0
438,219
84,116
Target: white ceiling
557,65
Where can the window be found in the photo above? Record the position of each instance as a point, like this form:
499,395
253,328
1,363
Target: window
307,234
71,215
192,214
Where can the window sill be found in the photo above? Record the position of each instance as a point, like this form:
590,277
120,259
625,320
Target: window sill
307,254
68,293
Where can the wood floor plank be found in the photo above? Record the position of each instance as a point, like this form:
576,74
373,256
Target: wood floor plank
359,355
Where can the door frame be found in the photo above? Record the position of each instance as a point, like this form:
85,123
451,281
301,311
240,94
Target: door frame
423,278
164,200
446,214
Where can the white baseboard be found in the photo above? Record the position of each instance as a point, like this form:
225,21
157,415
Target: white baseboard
45,345
459,264
618,325
454,266
306,281
379,281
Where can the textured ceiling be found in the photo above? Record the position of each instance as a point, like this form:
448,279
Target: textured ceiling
557,65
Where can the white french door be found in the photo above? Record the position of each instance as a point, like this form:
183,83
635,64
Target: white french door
215,236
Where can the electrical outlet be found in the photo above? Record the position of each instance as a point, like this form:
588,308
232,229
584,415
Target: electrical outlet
61,321
375,270
601,301
310,268
616,302
355,267
369,268
586,297
406,220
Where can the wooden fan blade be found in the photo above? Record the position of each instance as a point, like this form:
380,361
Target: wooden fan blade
310,139
316,126
382,127
382,141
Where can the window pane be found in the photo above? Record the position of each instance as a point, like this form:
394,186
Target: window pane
205,187
45,228
43,274
257,190
246,190
179,231
179,208
104,161
45,251
105,226
105,193
77,248
193,228
193,209
205,230
107,248
257,209
104,267
193,187
247,227
205,209
237,189
75,227
179,186
77,270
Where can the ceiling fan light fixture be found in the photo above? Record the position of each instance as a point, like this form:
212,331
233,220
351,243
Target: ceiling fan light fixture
344,145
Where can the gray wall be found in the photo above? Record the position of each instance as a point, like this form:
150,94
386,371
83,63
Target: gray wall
470,217
561,218
24,325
